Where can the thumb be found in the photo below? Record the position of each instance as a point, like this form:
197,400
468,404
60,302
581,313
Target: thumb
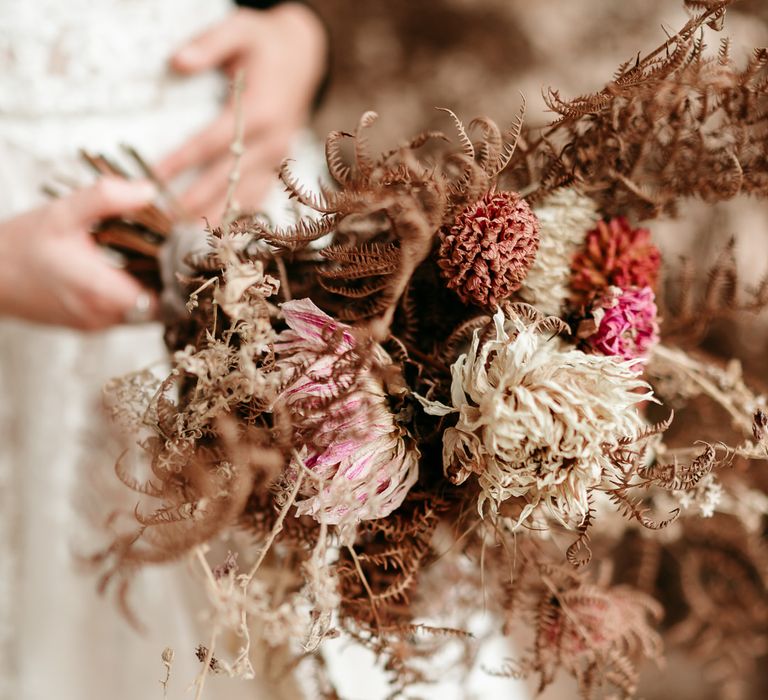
211,49
110,196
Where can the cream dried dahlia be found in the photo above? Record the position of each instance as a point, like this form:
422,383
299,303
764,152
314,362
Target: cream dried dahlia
564,216
615,254
535,416
361,462
488,251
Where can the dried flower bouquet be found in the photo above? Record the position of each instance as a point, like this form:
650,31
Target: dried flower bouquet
463,370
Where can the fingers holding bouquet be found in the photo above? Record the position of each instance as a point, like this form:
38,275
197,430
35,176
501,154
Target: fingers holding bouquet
52,270
281,54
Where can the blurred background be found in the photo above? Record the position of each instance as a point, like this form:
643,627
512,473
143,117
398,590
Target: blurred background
403,58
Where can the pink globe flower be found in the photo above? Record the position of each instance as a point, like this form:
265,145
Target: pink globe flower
626,323
360,462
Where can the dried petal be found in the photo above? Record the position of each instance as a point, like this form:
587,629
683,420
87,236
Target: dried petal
535,417
362,462
614,254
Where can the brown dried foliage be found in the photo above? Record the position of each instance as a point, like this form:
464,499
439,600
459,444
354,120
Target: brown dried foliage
387,212
630,146
217,455
597,632
691,302
714,581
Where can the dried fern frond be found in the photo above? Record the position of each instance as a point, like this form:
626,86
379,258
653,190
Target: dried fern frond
631,144
691,305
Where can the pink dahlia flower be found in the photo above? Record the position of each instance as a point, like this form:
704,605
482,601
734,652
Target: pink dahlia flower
627,326
362,462
614,253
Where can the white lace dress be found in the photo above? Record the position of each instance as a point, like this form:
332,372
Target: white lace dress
83,74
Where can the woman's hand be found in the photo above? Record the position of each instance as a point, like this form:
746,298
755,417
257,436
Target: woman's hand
51,270
282,54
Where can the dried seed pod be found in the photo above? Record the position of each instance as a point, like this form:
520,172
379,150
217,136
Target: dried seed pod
487,253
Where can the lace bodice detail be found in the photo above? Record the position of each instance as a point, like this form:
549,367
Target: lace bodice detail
87,57
93,74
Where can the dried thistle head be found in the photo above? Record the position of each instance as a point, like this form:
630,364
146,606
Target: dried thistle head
485,255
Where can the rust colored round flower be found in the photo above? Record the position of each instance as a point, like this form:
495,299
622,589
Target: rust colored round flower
487,253
614,254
